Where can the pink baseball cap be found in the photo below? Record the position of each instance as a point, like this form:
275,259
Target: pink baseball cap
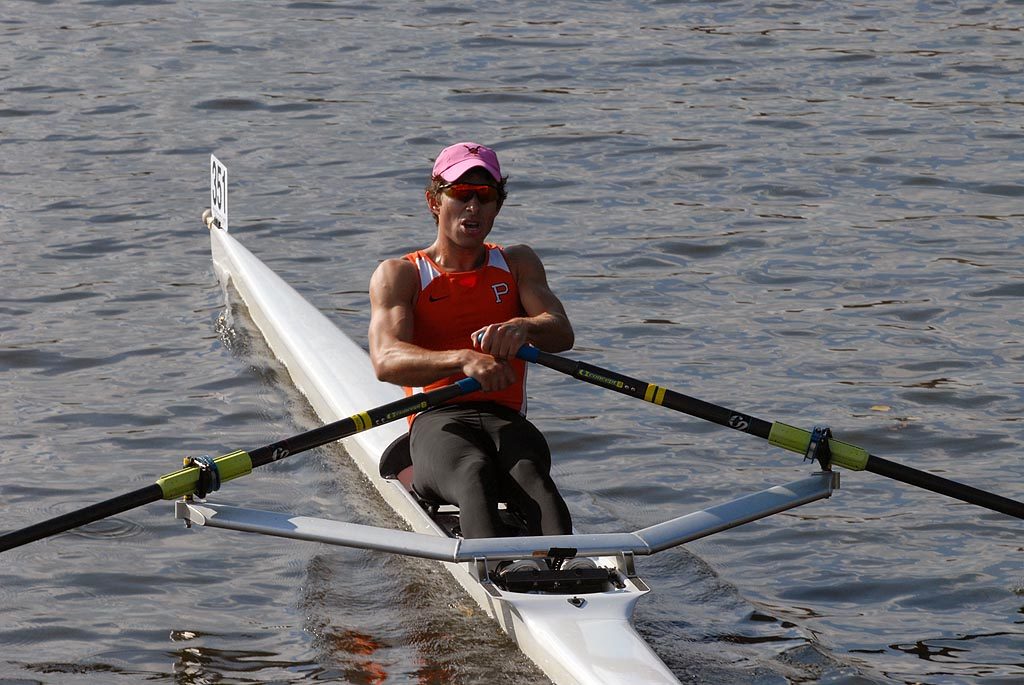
459,158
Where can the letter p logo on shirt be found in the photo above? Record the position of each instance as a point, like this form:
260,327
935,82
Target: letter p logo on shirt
500,290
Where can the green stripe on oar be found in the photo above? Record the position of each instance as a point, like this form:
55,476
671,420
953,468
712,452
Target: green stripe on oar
779,434
184,481
237,464
798,440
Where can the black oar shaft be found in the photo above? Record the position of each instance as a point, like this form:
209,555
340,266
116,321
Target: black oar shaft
239,463
780,434
944,486
80,517
649,392
354,424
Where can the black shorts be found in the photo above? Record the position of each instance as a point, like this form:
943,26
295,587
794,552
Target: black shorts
476,454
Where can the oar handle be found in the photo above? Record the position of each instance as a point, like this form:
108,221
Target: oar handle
779,434
239,463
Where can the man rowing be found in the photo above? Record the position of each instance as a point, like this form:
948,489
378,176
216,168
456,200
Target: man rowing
463,307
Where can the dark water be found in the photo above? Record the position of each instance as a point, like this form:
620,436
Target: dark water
807,211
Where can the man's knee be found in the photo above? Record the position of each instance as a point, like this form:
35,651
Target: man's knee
532,478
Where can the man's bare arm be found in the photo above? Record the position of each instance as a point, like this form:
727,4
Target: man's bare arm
545,323
393,289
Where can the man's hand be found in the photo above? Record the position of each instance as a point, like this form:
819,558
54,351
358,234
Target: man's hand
500,340
493,374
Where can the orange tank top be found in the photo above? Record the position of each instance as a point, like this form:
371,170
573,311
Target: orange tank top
452,305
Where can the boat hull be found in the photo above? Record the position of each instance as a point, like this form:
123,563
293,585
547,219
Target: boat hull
573,642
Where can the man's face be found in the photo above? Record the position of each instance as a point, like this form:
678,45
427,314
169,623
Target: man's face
469,220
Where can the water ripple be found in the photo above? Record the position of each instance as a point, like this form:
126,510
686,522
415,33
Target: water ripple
806,212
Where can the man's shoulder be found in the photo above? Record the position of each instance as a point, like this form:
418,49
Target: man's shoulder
395,270
519,250
395,263
520,255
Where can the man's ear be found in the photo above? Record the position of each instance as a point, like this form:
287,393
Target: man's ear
432,203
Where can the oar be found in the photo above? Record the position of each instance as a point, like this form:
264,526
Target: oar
788,437
239,463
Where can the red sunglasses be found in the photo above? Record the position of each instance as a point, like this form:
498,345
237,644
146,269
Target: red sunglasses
464,192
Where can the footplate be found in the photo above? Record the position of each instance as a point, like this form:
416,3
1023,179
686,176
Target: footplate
573,581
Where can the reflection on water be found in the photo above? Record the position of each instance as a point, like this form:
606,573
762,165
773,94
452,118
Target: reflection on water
198,665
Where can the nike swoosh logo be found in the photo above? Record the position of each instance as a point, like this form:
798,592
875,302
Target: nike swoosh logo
437,299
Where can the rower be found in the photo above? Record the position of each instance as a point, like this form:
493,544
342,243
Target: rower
462,307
